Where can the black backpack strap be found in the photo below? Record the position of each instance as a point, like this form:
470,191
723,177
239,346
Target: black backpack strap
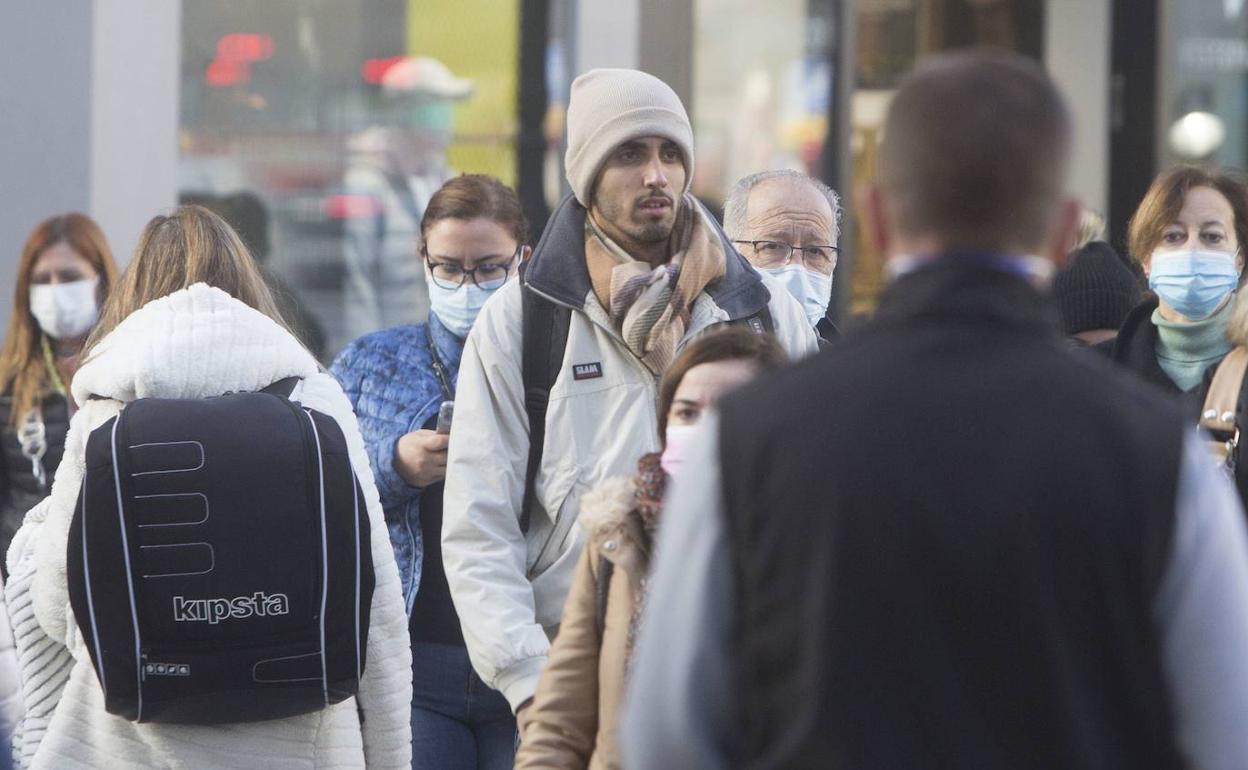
544,335
283,387
760,322
606,568
764,317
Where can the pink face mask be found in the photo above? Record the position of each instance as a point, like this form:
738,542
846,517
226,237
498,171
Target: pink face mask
679,438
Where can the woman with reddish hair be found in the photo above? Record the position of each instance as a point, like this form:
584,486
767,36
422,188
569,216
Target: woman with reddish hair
63,278
1188,235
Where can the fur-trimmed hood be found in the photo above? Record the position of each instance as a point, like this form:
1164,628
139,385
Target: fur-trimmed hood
606,507
613,528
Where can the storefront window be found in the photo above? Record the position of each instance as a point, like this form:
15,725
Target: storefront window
761,86
320,128
892,36
1204,107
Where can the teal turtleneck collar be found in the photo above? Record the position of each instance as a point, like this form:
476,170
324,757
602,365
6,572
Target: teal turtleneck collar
1186,349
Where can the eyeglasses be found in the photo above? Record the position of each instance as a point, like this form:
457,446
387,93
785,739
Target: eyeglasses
488,276
821,259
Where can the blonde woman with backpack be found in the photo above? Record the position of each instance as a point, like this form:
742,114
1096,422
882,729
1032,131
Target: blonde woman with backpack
191,319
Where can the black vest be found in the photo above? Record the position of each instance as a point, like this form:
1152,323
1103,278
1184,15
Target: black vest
947,533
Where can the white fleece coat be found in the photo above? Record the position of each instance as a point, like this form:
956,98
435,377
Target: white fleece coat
195,343
10,680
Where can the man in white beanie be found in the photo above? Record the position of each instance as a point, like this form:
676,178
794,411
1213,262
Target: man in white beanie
629,268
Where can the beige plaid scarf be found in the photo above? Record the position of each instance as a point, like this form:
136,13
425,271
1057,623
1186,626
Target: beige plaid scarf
650,305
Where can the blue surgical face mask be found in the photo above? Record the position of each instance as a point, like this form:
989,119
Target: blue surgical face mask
1194,281
812,289
457,309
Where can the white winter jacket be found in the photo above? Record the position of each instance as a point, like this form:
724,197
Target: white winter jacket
509,588
10,680
195,343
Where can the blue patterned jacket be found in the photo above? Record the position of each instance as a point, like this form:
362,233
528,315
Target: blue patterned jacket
389,378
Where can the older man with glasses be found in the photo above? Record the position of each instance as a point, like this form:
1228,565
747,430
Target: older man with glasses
787,225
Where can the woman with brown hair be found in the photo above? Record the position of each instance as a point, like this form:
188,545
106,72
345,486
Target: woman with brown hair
1189,235
473,238
573,720
191,318
63,277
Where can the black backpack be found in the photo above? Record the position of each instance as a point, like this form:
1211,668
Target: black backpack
219,564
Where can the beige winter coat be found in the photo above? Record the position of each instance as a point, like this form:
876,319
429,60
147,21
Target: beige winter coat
574,719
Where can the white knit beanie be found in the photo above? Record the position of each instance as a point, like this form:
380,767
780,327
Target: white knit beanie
611,106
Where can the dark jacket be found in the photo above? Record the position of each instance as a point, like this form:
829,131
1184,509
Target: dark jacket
827,332
19,489
974,585
1135,347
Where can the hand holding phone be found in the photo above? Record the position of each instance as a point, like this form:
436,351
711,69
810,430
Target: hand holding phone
420,457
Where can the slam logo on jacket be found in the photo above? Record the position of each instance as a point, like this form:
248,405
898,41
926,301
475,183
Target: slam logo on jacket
588,371
213,611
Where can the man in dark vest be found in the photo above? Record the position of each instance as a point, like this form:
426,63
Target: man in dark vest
948,542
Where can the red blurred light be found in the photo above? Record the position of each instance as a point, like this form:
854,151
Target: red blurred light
372,70
244,47
221,73
352,207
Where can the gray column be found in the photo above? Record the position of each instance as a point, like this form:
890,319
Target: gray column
88,117
1076,52
606,35
137,57
666,45
45,123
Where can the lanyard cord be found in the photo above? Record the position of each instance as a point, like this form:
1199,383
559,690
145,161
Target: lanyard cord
54,375
439,369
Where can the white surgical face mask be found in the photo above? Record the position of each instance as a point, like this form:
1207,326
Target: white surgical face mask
813,290
458,309
65,311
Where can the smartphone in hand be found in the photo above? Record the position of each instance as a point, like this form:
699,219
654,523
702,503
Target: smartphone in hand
446,413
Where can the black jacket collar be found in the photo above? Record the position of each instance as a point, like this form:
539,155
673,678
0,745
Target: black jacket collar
951,289
557,268
1136,345
827,332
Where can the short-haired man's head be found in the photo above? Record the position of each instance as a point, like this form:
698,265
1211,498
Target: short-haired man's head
737,213
1164,200
975,153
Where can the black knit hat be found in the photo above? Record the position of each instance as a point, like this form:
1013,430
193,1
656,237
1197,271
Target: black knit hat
1096,290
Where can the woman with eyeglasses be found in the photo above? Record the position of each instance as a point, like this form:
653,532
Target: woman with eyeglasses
474,237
